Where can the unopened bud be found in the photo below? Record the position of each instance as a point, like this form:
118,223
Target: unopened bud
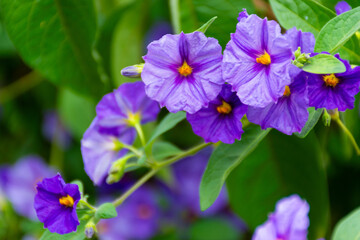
90,229
326,119
132,71
297,52
116,171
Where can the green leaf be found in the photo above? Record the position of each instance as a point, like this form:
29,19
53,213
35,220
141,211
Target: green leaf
213,229
195,13
105,211
281,165
76,112
56,38
80,185
348,228
324,64
314,116
338,31
204,27
170,121
162,150
307,15
223,160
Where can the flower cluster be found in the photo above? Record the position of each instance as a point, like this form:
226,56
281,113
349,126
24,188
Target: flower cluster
185,72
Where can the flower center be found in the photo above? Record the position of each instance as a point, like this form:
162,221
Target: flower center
287,91
264,59
133,118
67,201
224,108
144,211
330,80
185,70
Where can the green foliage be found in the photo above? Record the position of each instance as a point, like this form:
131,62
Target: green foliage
105,211
78,235
213,229
324,64
195,13
349,227
162,150
204,27
281,166
337,32
314,116
224,159
56,38
76,112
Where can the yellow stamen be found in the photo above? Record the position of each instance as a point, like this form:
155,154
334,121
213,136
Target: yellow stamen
67,201
133,118
264,59
330,80
185,70
287,91
224,108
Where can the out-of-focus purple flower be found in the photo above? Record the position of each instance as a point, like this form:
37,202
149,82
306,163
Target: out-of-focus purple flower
156,31
21,181
297,38
333,91
221,120
242,14
54,130
290,221
256,61
55,204
138,217
101,147
289,114
183,72
188,173
125,106
342,7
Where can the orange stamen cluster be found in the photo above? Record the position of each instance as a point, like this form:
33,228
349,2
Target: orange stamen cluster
67,201
330,80
185,70
287,91
224,108
264,59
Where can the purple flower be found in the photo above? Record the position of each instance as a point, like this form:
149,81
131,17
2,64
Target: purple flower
188,173
55,204
157,30
342,7
256,61
304,40
53,130
125,106
289,114
220,121
20,183
101,147
290,221
333,91
182,72
138,217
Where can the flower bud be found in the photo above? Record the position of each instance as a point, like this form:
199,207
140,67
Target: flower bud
90,229
117,170
132,71
326,119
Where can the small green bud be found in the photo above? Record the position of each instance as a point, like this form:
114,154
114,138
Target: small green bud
297,52
133,71
90,229
326,119
117,170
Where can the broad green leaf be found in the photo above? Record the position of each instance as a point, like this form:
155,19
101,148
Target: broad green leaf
56,38
105,211
170,121
224,159
338,31
324,64
307,15
204,27
162,150
195,13
348,228
213,229
76,112
314,116
281,165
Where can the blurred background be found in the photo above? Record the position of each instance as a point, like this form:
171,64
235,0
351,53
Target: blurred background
42,123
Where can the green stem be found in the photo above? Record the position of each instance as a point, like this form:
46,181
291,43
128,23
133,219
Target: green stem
85,203
175,15
20,86
141,133
153,171
133,149
349,134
